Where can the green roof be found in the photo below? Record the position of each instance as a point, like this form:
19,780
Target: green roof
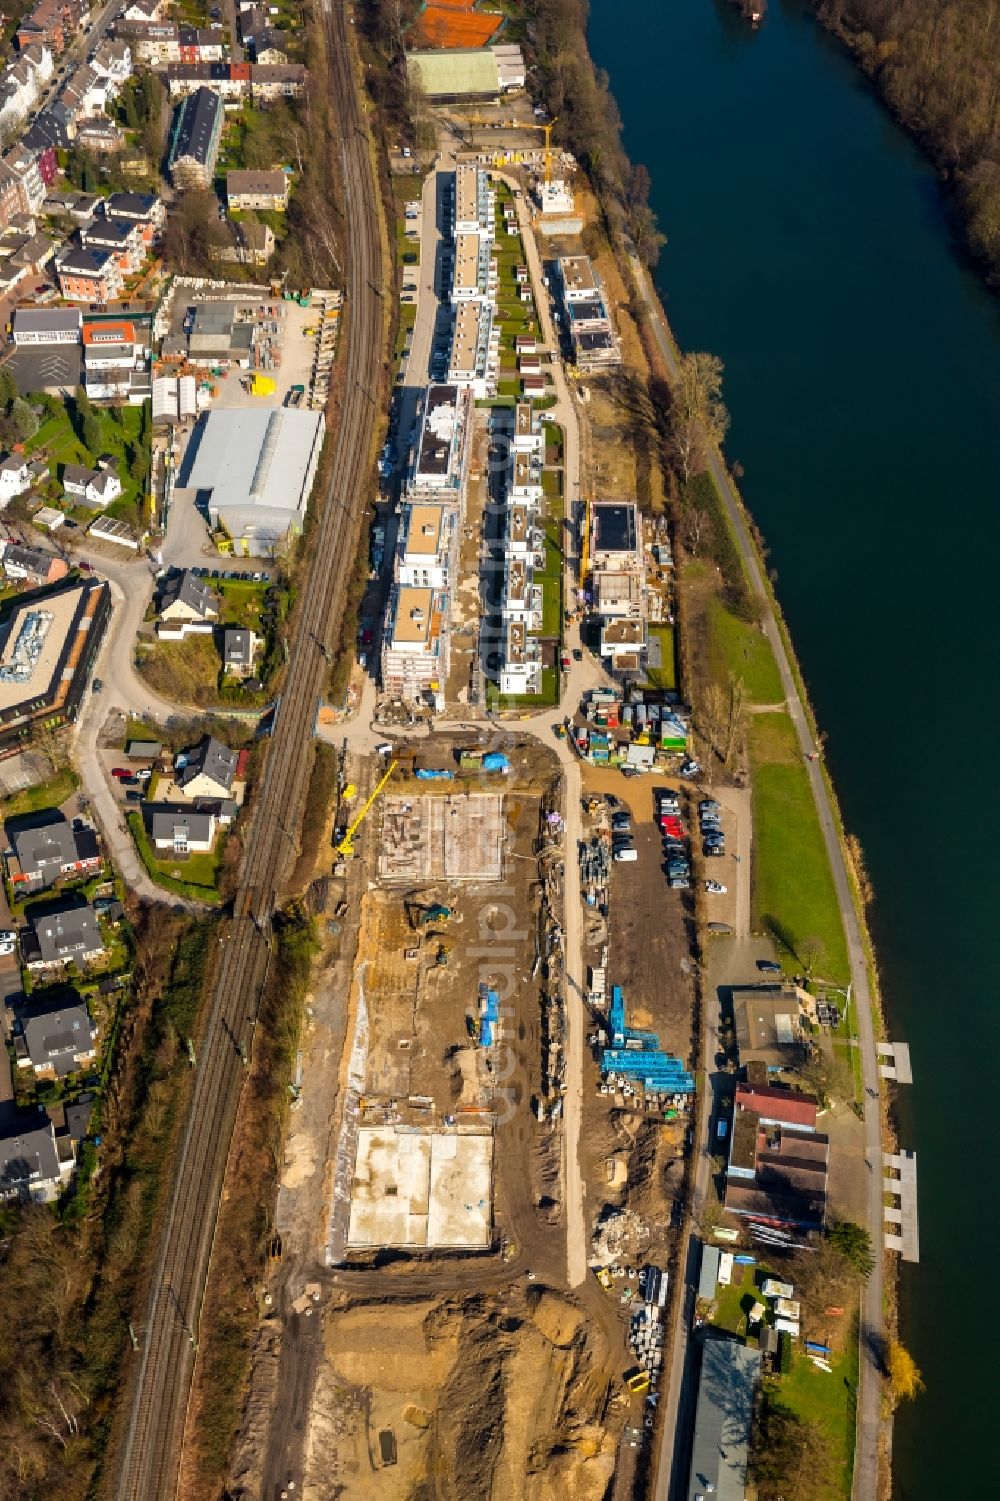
447,74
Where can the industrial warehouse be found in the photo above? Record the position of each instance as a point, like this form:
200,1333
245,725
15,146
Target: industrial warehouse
48,642
254,471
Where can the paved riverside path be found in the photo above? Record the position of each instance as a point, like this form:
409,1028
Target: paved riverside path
870,1386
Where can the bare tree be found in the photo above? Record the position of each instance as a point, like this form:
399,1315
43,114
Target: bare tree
698,415
696,529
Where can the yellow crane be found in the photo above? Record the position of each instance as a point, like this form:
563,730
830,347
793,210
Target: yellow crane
346,845
585,543
547,132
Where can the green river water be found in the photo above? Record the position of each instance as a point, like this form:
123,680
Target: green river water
808,247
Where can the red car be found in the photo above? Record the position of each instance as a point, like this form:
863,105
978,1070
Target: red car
671,825
120,771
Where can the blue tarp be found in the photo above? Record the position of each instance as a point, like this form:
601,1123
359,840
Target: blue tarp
434,774
491,1015
496,761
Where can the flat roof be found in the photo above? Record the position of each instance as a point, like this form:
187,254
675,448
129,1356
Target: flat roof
421,1188
438,432
467,261
616,526
423,535
578,273
466,193
46,320
34,641
414,613
465,337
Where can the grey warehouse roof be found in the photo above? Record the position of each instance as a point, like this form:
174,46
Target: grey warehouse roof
726,1391
256,463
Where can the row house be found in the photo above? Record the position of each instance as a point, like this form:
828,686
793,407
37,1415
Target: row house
201,44
474,208
272,81
21,84
53,23
87,93
112,59
100,135
152,42
11,202
270,46
89,275
521,603
231,81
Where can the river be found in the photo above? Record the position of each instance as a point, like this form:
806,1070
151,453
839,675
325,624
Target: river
807,245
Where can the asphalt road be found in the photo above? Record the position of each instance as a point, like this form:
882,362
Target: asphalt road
872,1333
153,1418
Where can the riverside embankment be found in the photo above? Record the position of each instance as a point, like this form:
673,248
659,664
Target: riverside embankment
809,248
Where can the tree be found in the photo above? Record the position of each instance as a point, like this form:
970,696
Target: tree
790,1457
855,1245
641,219
93,432
904,1376
812,951
696,529
698,416
21,420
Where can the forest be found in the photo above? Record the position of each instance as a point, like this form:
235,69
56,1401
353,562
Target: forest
938,67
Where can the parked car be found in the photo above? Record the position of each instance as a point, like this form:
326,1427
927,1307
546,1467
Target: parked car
625,854
121,771
709,805
133,797
710,850
716,888
768,967
622,821
690,769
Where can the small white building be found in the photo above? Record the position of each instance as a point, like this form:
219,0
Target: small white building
15,477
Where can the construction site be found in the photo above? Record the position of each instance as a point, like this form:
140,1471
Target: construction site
451,1357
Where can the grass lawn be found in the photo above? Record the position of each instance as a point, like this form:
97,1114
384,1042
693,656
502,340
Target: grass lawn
548,697
664,676
242,601
552,483
407,318
793,891
46,795
186,671
827,1400
736,647
193,877
57,442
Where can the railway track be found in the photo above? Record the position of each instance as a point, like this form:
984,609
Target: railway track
151,1449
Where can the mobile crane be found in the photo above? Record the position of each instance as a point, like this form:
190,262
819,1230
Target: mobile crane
346,846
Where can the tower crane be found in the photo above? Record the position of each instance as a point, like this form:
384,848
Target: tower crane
547,132
346,845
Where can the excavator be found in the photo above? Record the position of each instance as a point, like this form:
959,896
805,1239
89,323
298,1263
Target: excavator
345,849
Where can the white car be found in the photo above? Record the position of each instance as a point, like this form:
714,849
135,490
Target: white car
716,887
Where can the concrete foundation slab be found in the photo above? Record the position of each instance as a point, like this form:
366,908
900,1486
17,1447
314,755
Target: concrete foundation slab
454,837
421,1188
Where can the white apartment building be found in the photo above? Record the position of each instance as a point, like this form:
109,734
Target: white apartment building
521,661
529,437
475,278
475,202
425,549
439,461
474,360
526,477
522,597
415,646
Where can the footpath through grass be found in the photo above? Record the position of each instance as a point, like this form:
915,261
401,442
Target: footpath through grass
793,892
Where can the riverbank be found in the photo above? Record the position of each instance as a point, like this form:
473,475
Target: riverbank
854,959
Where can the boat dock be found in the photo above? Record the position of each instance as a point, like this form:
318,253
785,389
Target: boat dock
900,1179
897,1065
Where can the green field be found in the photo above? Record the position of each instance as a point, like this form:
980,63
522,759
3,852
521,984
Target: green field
793,892
736,647
664,676
195,875
825,1399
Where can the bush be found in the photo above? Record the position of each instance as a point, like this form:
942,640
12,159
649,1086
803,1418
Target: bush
784,1353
